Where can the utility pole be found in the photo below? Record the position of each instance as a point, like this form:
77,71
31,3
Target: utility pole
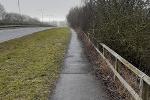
42,12
49,20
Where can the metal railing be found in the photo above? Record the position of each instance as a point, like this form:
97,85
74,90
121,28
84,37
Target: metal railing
144,85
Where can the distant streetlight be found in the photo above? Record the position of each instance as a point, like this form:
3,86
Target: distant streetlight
42,11
19,7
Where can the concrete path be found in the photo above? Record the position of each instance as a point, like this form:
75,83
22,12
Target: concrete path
76,81
9,34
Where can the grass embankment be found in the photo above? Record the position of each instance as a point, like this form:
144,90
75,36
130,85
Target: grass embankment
29,66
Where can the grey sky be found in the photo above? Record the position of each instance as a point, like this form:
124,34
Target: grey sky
53,9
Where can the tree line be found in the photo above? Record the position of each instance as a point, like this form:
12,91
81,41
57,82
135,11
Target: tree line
16,19
123,25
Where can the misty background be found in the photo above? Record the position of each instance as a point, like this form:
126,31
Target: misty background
52,10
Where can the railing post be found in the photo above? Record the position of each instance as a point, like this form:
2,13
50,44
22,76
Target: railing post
97,44
116,67
146,91
88,35
103,51
141,87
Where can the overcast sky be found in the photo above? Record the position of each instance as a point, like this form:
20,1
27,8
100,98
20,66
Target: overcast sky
53,9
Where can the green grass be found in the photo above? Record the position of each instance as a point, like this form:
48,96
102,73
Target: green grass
29,66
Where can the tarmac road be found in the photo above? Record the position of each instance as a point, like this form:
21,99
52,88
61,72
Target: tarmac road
8,34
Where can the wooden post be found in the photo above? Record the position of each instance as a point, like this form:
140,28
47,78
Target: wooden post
116,67
97,44
103,51
141,87
146,91
88,35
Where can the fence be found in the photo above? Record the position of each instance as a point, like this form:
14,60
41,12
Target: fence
141,82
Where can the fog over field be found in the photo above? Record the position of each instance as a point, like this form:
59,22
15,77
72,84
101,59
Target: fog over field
52,9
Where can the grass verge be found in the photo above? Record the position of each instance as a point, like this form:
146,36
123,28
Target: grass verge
29,66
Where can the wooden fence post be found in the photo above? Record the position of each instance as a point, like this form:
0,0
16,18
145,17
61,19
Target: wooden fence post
146,91
103,51
97,44
116,67
141,87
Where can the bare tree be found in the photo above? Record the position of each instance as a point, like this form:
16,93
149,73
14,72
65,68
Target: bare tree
2,12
